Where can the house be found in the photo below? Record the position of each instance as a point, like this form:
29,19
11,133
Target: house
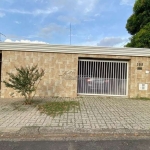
80,70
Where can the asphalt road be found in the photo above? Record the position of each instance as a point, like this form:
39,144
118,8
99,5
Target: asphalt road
76,145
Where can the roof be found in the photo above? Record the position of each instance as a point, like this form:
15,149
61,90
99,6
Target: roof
5,46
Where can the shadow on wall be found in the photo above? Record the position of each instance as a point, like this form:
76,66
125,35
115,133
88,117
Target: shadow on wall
49,89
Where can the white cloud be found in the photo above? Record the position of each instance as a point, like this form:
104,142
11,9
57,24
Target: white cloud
113,41
68,19
88,43
17,22
25,41
8,1
89,19
127,2
51,29
87,5
2,14
35,12
75,7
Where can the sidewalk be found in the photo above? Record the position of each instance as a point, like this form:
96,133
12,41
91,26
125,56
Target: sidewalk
98,116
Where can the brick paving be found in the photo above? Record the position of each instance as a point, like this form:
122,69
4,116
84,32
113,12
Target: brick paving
96,113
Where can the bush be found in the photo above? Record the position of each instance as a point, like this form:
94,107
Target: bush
25,81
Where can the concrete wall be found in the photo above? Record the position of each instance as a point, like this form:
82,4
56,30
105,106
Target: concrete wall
54,83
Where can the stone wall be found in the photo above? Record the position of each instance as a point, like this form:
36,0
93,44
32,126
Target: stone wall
56,83
54,64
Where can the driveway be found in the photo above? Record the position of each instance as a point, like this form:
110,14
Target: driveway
96,114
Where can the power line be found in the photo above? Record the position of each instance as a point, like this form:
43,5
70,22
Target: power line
1,35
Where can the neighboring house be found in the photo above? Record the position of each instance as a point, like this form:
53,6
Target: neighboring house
80,70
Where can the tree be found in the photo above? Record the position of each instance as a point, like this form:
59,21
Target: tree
25,81
138,25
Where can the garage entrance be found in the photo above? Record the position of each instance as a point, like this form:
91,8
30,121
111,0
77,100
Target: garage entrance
102,77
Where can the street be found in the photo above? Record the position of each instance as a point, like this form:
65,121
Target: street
77,145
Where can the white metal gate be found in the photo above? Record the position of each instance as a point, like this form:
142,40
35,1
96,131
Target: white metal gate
102,77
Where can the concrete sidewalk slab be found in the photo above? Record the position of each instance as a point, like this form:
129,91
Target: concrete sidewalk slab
97,115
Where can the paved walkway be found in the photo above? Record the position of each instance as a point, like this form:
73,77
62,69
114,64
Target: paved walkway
97,113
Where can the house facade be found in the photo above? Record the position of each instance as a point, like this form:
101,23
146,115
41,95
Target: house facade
71,71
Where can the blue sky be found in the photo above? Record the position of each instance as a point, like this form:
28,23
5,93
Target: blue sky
93,22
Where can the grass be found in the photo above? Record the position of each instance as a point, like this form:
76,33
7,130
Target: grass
54,107
143,98
59,107
21,106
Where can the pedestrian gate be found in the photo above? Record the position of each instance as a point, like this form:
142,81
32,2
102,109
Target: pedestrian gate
102,77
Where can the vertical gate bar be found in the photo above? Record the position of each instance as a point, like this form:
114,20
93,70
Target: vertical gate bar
79,81
82,76
106,77
87,75
78,78
104,85
123,69
103,78
102,74
127,78
114,80
100,70
120,78
97,77
108,73
94,77
93,86
124,88
113,87
117,81
111,76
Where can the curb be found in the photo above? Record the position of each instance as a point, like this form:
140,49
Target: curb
46,133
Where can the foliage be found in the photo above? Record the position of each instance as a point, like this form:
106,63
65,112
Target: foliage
138,24
25,81
142,38
58,107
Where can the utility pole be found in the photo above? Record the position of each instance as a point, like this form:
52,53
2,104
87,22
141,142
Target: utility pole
70,33
0,36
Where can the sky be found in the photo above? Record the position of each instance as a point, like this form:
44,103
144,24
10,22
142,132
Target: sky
65,22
